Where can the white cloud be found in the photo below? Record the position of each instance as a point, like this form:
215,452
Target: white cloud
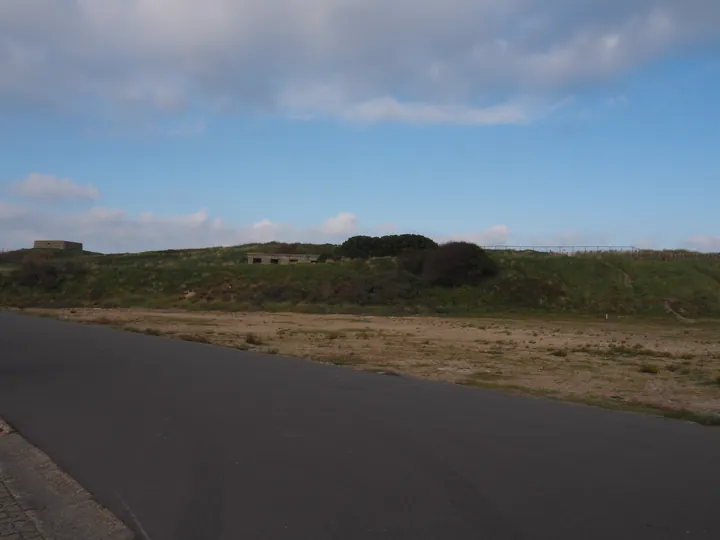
571,238
344,223
615,101
266,231
702,242
410,60
390,109
311,102
493,236
113,230
48,186
102,214
10,211
385,228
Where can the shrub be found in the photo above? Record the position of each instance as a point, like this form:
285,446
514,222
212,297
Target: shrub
649,368
378,289
14,257
360,247
458,263
396,244
365,247
281,293
412,262
38,273
530,292
253,339
75,270
289,249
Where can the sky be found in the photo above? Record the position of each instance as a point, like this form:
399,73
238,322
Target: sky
132,125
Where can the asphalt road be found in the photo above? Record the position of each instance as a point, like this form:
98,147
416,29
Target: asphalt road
205,443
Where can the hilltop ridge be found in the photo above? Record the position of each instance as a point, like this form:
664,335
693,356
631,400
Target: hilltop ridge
663,283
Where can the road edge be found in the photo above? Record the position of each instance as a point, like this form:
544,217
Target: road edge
56,504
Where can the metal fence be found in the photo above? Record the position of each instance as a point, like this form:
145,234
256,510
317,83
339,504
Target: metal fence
632,251
565,249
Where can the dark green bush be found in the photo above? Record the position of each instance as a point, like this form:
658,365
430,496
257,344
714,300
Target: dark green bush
412,262
360,247
365,247
458,263
38,273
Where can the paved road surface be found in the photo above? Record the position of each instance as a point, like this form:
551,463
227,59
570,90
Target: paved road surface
205,443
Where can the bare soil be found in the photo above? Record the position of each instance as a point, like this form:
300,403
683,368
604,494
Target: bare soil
674,366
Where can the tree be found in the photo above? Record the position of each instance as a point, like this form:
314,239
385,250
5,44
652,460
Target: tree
38,273
458,263
360,247
396,244
413,261
365,247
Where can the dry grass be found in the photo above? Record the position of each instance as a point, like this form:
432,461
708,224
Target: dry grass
668,367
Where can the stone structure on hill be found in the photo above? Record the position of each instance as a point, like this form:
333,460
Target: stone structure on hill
58,244
281,258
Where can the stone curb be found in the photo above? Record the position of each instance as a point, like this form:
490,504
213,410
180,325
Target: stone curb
55,504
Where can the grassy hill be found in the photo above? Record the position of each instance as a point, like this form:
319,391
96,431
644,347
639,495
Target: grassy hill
220,278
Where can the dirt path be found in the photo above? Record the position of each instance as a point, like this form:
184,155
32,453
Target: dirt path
660,365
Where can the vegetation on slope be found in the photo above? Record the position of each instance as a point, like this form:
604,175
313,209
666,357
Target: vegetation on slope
416,281
367,247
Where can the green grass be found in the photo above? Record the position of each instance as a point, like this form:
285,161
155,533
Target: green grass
533,284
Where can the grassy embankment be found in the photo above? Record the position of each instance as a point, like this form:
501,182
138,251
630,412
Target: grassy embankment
219,278
665,367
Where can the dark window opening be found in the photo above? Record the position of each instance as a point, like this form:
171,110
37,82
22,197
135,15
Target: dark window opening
257,260
274,261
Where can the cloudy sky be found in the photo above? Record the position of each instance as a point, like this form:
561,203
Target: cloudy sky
151,124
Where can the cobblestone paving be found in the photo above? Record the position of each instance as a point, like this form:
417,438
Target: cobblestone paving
14,523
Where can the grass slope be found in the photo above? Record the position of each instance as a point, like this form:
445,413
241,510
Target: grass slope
219,278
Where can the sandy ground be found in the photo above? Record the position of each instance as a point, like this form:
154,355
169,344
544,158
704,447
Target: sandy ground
669,365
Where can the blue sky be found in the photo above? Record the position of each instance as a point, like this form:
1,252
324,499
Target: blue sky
150,124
